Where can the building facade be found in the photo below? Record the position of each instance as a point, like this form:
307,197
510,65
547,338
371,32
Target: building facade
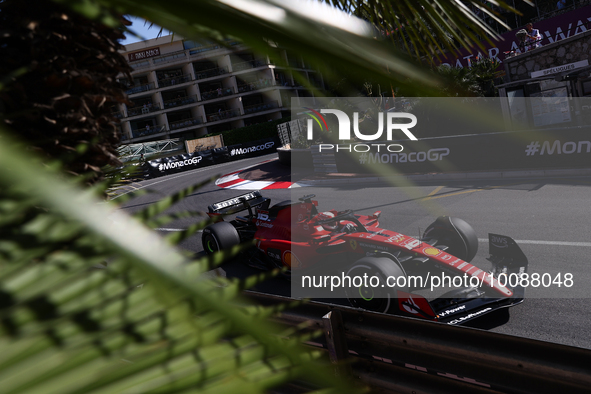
559,65
550,86
183,89
553,27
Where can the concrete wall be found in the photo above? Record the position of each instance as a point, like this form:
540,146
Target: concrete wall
565,51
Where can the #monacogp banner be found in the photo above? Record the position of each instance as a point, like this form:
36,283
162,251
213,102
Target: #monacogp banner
190,161
539,149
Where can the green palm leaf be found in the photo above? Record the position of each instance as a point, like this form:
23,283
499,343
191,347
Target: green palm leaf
147,322
329,39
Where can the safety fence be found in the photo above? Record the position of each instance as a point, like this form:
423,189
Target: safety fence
541,149
393,354
131,152
207,157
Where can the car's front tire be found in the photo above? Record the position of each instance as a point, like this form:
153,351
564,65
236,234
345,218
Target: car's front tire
219,236
381,294
456,234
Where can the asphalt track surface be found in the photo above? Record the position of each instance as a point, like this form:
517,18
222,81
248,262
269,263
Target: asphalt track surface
550,219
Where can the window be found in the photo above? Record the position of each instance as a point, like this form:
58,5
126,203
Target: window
550,107
517,106
587,87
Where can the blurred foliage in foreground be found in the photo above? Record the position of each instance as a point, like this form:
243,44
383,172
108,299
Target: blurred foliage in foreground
59,74
477,80
150,320
93,302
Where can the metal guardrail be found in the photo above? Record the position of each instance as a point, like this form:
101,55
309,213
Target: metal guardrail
176,80
134,151
255,85
118,114
143,109
170,57
397,354
260,107
202,49
221,115
141,64
181,124
217,93
148,130
180,101
555,11
140,88
212,72
248,65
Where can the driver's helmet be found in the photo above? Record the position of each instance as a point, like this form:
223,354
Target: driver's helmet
328,226
349,228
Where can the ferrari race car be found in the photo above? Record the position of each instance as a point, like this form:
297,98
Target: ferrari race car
310,244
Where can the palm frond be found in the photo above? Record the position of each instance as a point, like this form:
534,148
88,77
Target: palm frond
148,321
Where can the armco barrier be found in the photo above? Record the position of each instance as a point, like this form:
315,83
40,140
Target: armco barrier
540,149
191,161
394,354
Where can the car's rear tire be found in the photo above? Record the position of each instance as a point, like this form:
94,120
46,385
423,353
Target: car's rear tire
378,298
456,234
219,236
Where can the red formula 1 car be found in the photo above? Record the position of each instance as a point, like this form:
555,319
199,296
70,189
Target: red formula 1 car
347,248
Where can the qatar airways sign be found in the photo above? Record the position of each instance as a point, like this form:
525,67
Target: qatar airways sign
552,30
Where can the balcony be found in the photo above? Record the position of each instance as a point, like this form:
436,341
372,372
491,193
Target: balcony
201,49
196,48
179,101
149,130
181,124
221,115
248,87
140,64
212,72
162,83
143,109
118,114
260,107
294,63
247,65
212,94
140,88
171,57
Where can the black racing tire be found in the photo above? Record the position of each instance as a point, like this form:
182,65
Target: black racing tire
219,236
456,234
380,298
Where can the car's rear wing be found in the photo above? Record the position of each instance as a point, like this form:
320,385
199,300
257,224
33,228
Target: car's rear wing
239,203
